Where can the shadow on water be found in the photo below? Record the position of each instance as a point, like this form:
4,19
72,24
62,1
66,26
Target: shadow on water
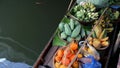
7,50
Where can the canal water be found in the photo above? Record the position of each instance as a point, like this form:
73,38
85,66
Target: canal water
26,26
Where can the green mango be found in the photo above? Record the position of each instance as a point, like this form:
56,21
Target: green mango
63,35
67,29
76,31
83,32
69,39
61,26
77,23
87,32
71,24
78,38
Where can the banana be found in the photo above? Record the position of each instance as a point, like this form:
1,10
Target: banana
105,43
104,39
98,30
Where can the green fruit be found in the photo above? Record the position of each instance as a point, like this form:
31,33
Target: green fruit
83,32
69,39
71,24
87,32
67,29
63,35
116,14
61,26
79,14
78,38
76,31
77,23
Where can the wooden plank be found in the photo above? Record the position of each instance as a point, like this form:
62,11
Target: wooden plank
50,54
50,64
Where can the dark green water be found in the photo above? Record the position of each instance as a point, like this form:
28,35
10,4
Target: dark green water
27,25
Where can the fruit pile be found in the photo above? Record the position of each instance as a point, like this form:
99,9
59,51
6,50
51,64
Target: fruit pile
72,30
99,38
85,12
65,55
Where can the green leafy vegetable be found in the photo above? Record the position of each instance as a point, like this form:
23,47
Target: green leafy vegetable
58,42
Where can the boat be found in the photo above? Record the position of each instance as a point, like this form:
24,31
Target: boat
45,59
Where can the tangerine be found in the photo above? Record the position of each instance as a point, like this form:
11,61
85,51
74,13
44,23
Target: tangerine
75,64
72,57
80,56
65,61
58,59
74,45
60,53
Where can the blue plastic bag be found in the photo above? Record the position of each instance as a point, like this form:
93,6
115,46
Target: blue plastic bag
92,64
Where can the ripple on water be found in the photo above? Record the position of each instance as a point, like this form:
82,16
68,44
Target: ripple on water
14,51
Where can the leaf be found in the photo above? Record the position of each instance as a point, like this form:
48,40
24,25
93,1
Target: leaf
65,20
58,42
94,35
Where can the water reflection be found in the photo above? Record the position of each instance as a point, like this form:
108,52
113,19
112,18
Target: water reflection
22,54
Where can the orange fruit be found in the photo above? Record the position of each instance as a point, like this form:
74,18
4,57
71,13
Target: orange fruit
75,64
65,61
72,57
76,51
60,53
74,45
67,52
80,55
58,59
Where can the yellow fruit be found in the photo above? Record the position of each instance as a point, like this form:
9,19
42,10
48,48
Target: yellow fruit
96,43
105,43
90,42
104,39
98,30
75,64
90,39
89,50
63,66
57,65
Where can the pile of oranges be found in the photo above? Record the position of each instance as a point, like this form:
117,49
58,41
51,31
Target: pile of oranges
65,55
